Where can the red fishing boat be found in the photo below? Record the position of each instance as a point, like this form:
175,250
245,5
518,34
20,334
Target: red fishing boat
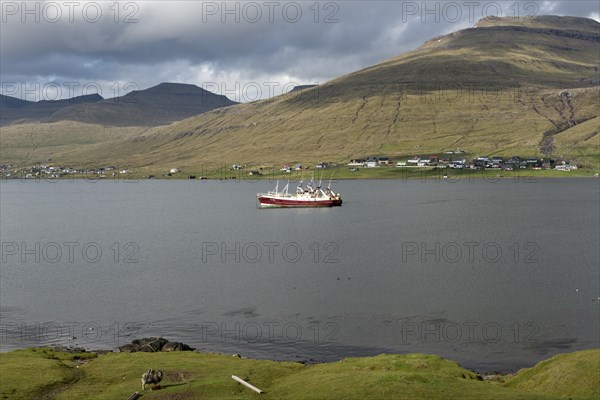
304,197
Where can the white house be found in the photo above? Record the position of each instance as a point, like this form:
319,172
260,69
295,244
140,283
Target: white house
356,163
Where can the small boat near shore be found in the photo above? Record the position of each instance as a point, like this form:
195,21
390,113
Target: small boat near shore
303,197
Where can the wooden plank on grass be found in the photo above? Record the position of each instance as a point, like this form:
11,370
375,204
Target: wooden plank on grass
243,382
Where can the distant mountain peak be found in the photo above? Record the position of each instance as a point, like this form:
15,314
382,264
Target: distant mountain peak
301,87
176,88
93,96
13,102
86,98
543,21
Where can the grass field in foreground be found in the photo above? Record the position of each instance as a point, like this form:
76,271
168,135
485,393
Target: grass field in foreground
43,373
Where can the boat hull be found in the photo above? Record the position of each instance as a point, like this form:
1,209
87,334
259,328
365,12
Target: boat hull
274,202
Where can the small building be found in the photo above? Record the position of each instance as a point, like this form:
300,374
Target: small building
383,161
565,166
174,170
478,164
456,165
547,164
356,163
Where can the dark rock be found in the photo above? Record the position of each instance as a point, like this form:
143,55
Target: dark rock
176,346
128,348
67,349
152,345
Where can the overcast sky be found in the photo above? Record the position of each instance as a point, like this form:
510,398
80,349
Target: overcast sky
245,50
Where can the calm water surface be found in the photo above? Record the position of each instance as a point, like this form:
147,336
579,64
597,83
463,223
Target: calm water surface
493,274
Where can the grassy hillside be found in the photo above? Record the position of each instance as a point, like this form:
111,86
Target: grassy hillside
505,87
581,142
512,127
64,141
569,375
43,373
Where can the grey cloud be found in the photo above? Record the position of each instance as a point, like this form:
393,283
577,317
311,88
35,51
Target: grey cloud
175,40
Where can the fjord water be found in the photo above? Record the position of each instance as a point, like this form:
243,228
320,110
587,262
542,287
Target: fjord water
496,274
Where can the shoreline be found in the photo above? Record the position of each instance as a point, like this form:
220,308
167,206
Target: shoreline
73,349
425,176
45,372
310,361
284,358
257,171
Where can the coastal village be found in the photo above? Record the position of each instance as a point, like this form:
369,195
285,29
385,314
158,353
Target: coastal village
455,160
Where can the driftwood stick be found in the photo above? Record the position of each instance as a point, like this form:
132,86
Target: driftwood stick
134,396
243,382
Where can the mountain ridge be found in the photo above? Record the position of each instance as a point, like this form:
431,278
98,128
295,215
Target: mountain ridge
157,105
14,110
